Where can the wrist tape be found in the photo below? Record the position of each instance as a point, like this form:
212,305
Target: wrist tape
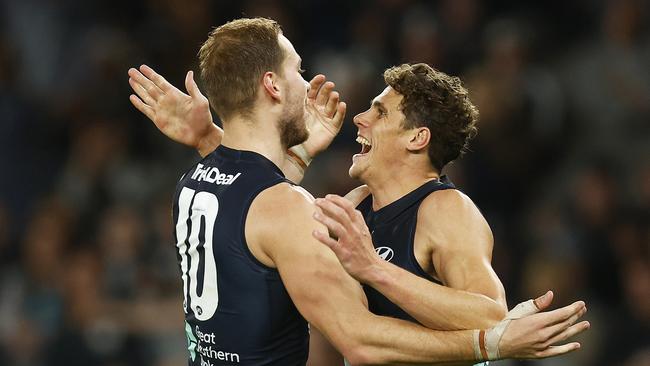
486,342
300,156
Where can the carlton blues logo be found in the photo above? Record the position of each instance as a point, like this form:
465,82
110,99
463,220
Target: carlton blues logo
385,253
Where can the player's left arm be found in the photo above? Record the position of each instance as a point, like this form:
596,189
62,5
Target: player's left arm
461,244
475,297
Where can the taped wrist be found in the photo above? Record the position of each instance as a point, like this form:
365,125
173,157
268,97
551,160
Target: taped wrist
486,342
299,155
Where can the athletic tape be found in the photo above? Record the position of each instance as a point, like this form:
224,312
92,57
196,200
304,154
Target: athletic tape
486,343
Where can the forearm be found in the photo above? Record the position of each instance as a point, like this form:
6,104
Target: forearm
433,305
387,341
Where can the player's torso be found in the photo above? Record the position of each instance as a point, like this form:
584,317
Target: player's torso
397,239
237,310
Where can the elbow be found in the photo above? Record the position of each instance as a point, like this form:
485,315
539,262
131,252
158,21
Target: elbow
364,355
356,352
494,314
357,349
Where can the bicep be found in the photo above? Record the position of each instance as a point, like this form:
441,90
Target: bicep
325,295
469,271
462,244
315,280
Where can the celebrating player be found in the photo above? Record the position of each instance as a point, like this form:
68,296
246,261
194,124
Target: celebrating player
252,271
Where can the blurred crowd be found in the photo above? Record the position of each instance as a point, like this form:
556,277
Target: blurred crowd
560,167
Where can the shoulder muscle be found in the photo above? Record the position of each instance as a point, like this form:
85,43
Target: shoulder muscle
451,218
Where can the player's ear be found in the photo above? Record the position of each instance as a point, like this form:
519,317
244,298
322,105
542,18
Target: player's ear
270,84
419,138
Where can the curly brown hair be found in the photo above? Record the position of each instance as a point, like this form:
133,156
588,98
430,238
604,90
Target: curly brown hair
438,101
233,60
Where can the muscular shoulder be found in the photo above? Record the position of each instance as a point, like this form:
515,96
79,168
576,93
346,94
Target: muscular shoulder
450,216
358,194
280,206
277,217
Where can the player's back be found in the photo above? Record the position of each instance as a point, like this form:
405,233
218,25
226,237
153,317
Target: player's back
237,310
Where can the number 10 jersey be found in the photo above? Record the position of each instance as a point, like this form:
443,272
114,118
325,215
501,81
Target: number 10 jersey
237,310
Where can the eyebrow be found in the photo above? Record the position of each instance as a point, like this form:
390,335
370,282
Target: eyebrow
379,105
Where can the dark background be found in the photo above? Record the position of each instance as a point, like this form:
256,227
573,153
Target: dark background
560,168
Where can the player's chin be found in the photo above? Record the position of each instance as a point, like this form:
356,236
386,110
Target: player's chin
355,170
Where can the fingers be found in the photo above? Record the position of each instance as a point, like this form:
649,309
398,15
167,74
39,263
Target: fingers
141,92
157,79
324,93
346,205
339,116
191,86
332,103
565,313
570,332
325,239
142,107
544,301
333,211
332,225
315,85
149,87
560,327
558,350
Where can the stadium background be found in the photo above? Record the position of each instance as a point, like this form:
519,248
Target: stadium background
560,168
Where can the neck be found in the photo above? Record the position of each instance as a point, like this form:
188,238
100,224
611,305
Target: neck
254,134
397,183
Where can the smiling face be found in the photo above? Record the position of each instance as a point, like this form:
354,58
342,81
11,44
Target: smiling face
382,137
293,130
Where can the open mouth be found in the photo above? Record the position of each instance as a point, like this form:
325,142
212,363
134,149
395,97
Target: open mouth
365,144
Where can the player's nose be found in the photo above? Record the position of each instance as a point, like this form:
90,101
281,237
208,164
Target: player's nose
359,120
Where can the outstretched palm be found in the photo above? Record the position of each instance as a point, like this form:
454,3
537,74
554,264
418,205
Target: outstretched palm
184,118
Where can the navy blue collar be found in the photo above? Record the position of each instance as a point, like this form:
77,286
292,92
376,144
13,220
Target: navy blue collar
389,212
246,156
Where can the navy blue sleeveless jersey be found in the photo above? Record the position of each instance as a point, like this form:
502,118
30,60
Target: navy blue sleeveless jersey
237,310
393,234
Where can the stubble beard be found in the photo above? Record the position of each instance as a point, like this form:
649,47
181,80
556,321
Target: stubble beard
293,130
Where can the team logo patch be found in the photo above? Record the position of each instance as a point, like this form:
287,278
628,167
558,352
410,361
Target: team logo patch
385,253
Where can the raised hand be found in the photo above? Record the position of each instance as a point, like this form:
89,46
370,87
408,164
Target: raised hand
184,118
325,114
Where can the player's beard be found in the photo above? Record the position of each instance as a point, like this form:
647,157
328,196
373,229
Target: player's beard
293,130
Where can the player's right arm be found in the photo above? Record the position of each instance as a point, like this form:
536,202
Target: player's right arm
186,118
279,233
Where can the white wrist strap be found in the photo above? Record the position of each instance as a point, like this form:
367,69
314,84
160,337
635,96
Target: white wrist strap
486,342
299,153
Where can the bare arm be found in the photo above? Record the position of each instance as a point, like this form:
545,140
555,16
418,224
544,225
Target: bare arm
334,303
186,118
460,244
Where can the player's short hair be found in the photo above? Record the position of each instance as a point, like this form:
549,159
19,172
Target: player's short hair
438,101
233,60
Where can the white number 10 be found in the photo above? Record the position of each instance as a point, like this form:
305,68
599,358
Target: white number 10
201,215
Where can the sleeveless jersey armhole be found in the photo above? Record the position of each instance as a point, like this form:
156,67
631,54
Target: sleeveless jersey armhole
244,242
